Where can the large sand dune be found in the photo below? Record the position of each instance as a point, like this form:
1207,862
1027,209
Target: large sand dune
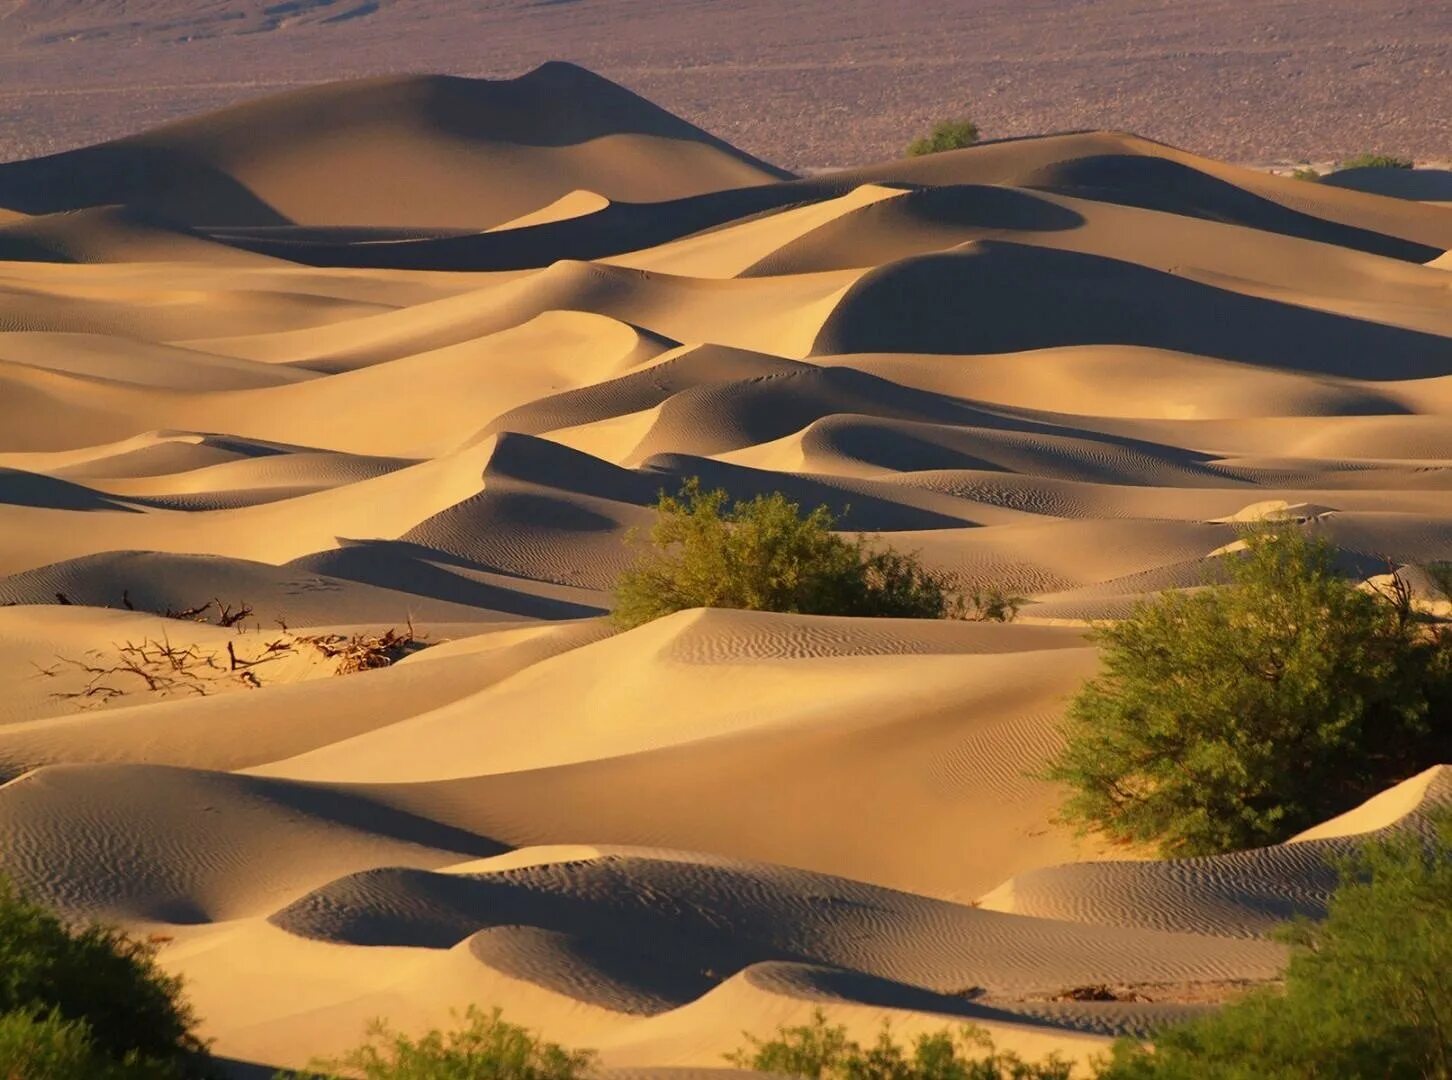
427,349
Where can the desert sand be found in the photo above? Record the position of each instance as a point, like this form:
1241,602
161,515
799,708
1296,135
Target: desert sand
373,355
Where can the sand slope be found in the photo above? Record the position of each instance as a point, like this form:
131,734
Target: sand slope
424,351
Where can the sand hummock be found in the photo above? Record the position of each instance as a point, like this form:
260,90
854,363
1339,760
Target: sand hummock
421,352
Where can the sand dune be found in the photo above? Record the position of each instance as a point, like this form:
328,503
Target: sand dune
478,154
424,351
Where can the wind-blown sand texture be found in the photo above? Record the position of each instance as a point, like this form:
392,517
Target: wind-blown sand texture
426,349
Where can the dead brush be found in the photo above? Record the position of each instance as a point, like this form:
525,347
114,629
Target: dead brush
160,666
365,652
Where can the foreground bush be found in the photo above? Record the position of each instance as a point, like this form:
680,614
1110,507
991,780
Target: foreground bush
822,1051
765,555
1367,994
949,135
1238,715
486,1047
88,993
1375,161
46,1047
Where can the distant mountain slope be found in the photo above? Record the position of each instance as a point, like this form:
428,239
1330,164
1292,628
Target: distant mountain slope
414,151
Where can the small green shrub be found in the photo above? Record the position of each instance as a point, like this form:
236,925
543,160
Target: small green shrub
949,135
765,555
1238,715
1375,161
821,1051
1367,992
991,604
60,985
486,1047
1306,173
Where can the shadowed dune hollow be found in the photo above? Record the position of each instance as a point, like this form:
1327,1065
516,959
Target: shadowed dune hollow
426,349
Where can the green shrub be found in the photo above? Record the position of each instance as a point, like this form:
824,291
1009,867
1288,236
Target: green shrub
1238,715
46,1048
1306,173
1375,161
949,135
92,982
486,1047
821,1051
765,555
991,604
1367,993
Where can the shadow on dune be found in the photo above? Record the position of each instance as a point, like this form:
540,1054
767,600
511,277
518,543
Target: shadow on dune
1432,185
996,297
172,180
1154,183
19,488
424,571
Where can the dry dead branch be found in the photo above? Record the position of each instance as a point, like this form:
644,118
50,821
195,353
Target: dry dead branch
191,614
365,652
226,616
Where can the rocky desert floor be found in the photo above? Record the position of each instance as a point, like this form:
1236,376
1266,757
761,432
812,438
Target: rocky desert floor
373,357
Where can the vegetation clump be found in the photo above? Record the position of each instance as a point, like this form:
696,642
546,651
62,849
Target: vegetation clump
1237,715
949,135
818,1050
1375,161
1306,173
87,1001
764,554
485,1047
1367,992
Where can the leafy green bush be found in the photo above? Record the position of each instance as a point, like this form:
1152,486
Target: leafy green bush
1238,715
1306,173
486,1047
65,988
46,1048
1375,161
764,555
949,135
821,1051
1367,993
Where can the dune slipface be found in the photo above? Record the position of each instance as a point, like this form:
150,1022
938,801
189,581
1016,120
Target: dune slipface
415,355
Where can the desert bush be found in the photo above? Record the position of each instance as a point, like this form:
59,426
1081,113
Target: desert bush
989,604
486,1047
1367,992
818,1050
1239,714
46,1047
1375,161
764,554
91,990
949,135
1306,173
